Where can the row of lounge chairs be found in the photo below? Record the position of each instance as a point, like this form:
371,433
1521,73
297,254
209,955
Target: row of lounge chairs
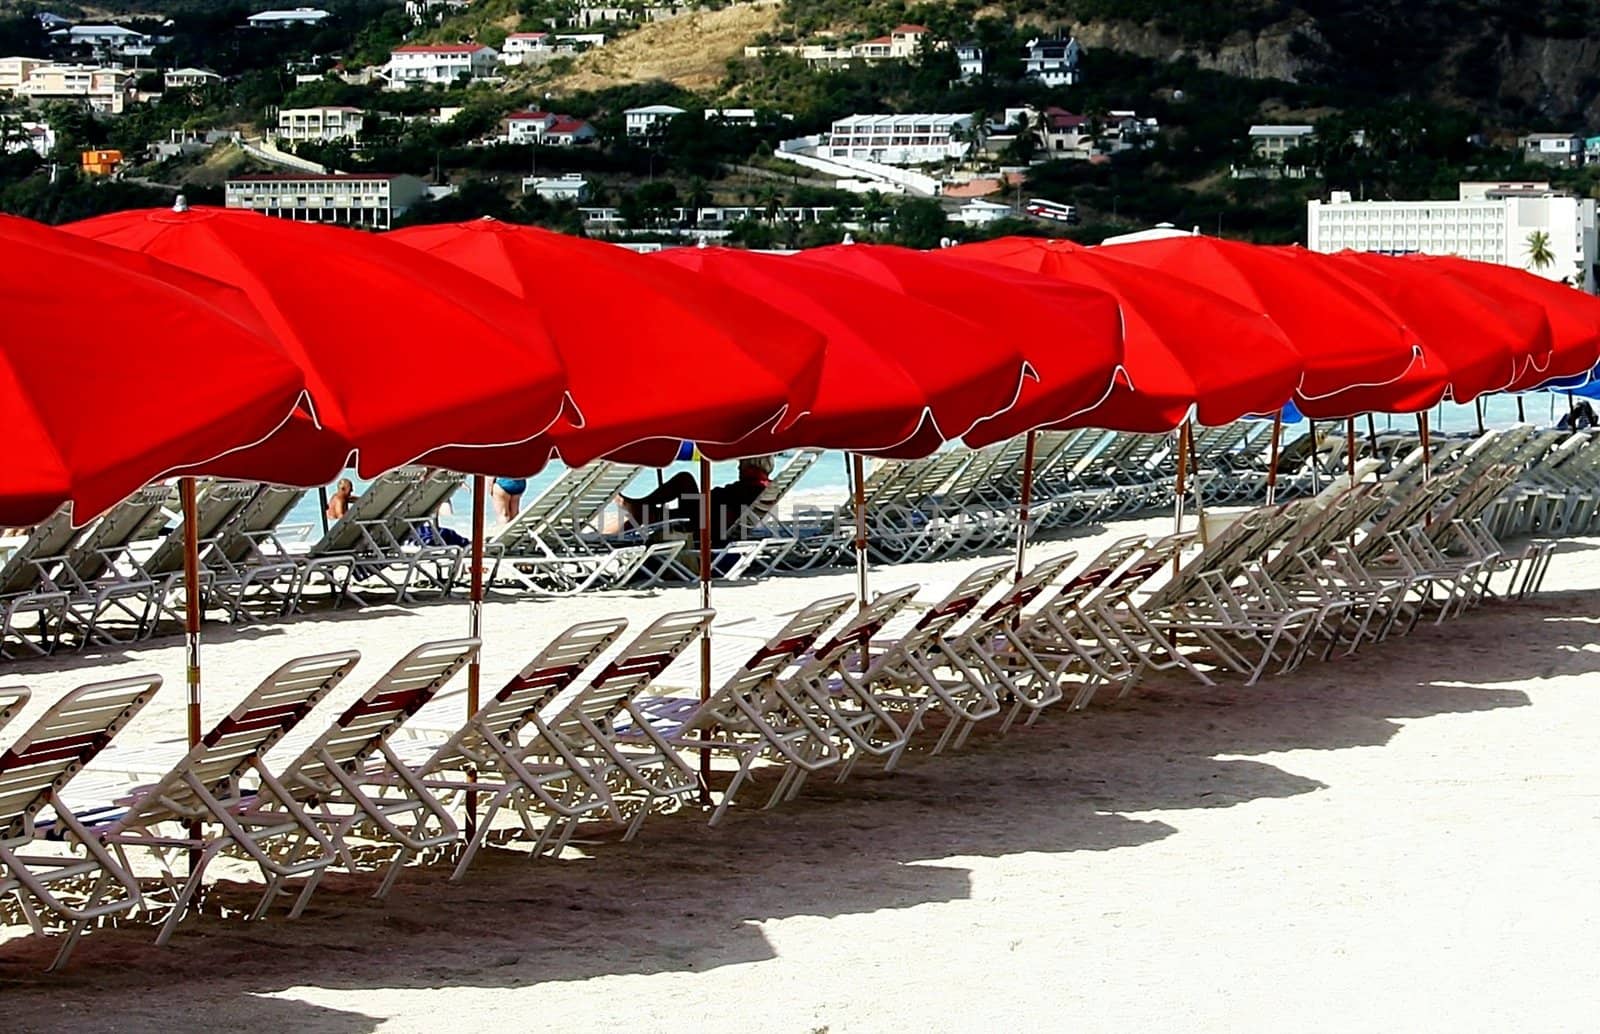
596,732
118,580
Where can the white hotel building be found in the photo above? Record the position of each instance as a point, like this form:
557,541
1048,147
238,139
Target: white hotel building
898,139
1491,222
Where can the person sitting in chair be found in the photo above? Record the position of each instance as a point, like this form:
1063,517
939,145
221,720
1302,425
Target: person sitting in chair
677,501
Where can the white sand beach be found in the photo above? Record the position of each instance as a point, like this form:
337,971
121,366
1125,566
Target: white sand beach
1404,840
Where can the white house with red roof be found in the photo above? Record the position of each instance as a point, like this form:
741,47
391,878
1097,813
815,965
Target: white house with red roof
438,64
567,131
902,42
544,127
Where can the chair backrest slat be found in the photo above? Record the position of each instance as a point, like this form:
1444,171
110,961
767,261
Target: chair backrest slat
639,663
62,741
369,721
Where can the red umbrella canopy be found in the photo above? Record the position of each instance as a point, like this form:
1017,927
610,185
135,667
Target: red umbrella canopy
402,352
1344,336
899,375
1171,334
1070,335
1483,341
1573,316
109,372
669,355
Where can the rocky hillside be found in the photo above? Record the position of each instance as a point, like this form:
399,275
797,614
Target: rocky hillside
1533,62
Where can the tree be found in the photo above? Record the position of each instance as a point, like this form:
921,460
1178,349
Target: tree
698,197
918,223
1026,143
1540,255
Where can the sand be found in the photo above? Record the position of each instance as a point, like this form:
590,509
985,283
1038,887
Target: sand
1404,840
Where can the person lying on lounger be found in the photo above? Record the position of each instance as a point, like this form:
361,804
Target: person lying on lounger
678,501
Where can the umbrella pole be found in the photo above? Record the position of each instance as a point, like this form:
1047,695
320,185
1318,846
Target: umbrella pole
475,630
858,468
191,626
1316,458
1572,411
1027,498
1183,482
1272,464
1427,453
1199,487
322,497
705,604
1372,435
1521,417
191,602
1477,404
1350,448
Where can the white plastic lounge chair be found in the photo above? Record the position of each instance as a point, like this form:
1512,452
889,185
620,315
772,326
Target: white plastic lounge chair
221,797
58,868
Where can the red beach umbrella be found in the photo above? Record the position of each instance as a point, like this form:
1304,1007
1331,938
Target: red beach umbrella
1479,342
402,353
1172,333
1070,335
109,372
663,355
1345,337
1574,317
899,376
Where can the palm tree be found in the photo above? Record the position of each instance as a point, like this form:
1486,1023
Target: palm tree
698,197
1540,254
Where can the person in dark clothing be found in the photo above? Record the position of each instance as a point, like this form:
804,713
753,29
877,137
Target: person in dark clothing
1580,417
678,500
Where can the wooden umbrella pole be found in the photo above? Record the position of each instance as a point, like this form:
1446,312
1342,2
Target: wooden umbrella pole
858,468
705,604
191,602
191,627
1350,448
1199,485
475,611
480,489
1427,453
1372,435
1183,480
1027,498
1272,462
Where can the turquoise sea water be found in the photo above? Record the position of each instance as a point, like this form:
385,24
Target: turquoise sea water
828,478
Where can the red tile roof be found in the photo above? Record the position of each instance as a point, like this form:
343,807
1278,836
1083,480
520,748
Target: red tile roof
565,124
440,48
528,116
904,29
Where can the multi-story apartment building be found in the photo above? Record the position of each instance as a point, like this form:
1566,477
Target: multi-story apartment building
326,123
105,90
438,64
369,200
898,139
1508,224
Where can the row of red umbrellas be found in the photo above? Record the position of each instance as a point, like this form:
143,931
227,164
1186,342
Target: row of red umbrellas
490,348
228,343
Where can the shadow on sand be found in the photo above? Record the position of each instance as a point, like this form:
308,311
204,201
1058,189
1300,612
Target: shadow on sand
685,897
